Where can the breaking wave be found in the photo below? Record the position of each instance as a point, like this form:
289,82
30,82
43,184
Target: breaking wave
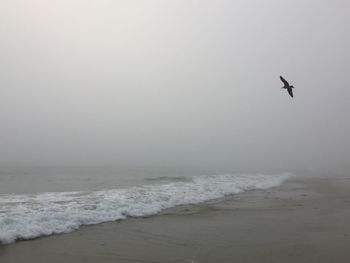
31,216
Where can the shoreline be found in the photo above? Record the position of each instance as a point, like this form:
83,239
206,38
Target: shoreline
303,220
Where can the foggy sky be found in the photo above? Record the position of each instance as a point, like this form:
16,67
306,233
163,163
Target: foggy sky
178,82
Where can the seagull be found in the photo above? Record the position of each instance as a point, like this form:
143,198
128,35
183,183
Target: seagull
287,86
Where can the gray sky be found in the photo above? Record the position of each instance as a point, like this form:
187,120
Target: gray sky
175,82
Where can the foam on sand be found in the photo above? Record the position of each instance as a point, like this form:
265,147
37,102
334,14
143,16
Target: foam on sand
31,216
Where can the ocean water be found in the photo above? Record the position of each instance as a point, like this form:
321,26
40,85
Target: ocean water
44,201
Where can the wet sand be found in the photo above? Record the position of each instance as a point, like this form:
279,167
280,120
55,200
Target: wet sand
304,220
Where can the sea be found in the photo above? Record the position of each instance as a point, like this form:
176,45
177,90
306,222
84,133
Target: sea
43,201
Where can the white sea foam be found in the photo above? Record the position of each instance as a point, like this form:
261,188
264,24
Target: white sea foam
31,216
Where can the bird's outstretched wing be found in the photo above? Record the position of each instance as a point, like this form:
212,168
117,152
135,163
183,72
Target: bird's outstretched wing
284,81
290,91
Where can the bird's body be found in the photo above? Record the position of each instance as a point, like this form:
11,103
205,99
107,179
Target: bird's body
286,86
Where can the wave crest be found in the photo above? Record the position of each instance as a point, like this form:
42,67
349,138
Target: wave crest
31,216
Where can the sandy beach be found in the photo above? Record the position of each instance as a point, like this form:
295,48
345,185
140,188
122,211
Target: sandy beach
304,220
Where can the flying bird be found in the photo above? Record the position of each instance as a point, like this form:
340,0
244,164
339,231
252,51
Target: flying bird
287,86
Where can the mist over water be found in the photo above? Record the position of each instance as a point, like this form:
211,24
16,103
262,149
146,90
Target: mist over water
174,84
31,179
111,110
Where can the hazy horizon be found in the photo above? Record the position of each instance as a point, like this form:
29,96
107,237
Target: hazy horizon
175,83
